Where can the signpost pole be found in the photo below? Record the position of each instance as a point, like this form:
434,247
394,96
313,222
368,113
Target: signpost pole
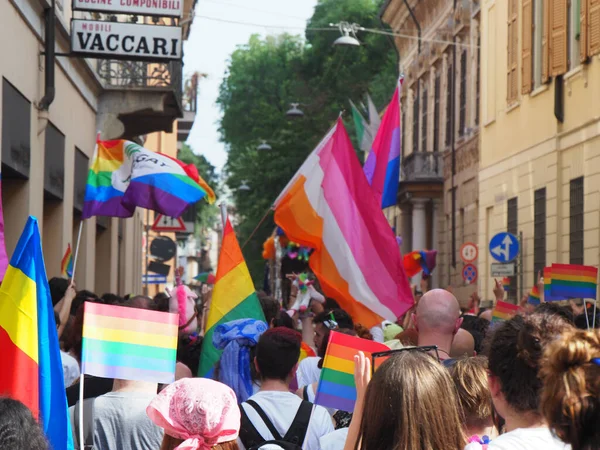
520,267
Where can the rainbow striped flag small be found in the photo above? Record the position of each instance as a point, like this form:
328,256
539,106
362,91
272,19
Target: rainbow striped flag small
548,295
129,343
574,281
504,311
506,283
306,352
66,265
534,296
336,386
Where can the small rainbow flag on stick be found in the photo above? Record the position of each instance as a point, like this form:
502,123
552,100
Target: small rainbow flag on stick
504,311
336,386
534,296
548,295
574,281
506,283
66,265
129,343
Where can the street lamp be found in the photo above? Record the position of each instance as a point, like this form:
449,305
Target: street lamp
244,186
348,31
294,111
263,146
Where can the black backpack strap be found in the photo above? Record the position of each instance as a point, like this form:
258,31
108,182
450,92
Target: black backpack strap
299,427
265,419
249,435
305,393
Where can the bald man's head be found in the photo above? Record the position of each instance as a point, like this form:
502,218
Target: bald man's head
463,344
438,311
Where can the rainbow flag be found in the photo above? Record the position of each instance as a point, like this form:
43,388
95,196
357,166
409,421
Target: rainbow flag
206,277
534,296
30,354
382,167
355,257
66,265
336,387
506,283
233,297
305,351
504,311
548,295
417,261
574,281
124,175
129,343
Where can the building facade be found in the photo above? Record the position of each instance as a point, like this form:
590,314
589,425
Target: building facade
45,151
540,136
438,195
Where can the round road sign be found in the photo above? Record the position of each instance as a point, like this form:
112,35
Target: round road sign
469,273
469,252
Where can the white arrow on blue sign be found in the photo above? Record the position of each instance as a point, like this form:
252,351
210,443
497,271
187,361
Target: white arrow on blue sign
504,247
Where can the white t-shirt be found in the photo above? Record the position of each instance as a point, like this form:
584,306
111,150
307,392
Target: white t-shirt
308,371
377,333
70,368
335,440
281,408
526,439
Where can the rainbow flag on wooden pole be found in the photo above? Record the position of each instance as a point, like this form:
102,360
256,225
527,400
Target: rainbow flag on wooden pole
336,387
574,281
233,297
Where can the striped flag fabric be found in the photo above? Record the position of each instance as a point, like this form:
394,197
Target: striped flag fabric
124,175
549,296
233,297
363,131
129,343
504,311
29,350
382,166
420,261
506,283
336,388
574,281
327,207
66,265
534,296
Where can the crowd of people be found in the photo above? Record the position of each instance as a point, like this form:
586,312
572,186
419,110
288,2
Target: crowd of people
453,379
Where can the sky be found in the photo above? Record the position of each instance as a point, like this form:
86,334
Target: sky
212,41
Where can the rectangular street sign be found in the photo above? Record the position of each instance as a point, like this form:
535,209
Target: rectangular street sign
120,40
502,270
154,279
163,8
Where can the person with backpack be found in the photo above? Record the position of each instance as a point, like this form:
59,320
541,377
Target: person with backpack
274,415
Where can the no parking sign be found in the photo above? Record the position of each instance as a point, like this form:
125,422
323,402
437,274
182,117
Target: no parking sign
469,273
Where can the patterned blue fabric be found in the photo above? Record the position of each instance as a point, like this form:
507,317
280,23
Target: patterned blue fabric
236,338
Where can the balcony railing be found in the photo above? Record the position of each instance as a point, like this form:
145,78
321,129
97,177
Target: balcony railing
423,166
143,75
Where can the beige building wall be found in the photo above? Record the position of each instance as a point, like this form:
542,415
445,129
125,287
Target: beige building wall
73,113
525,148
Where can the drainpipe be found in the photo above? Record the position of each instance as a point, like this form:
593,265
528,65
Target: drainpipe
49,57
453,146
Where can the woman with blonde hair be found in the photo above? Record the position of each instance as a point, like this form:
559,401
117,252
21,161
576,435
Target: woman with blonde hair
197,414
410,404
571,392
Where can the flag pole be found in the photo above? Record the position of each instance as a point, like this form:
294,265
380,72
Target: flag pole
594,316
77,250
81,442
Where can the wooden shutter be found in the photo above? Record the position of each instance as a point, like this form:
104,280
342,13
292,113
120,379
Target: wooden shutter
593,27
512,52
545,46
583,31
527,43
558,37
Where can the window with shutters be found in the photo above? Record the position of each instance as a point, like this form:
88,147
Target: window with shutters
538,30
424,112
559,48
449,81
462,121
576,221
574,33
512,53
512,226
539,231
436,113
415,124
593,27
478,81
527,46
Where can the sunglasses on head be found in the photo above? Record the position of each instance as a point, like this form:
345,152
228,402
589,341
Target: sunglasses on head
378,358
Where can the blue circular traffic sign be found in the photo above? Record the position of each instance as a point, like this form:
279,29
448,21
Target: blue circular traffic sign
504,247
469,273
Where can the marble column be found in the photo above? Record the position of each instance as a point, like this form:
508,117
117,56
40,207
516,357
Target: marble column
419,229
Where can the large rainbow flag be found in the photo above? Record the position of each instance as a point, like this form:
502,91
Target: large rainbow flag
336,387
574,281
124,175
129,343
327,206
382,166
548,295
31,367
233,297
